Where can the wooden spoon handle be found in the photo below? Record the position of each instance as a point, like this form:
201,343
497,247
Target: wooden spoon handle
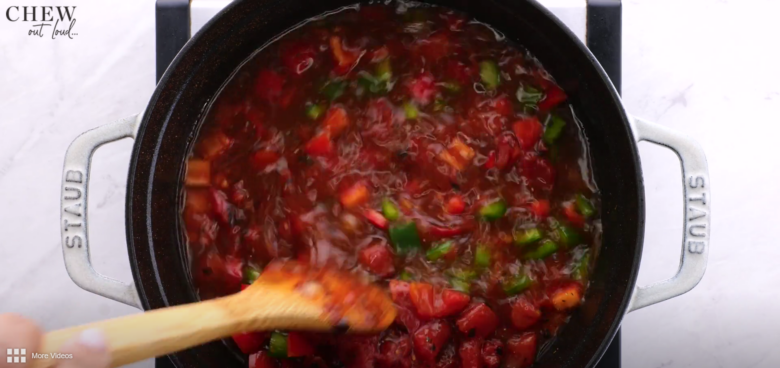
153,333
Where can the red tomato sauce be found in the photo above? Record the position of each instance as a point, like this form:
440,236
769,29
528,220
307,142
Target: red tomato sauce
411,146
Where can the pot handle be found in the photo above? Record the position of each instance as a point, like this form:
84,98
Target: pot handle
696,220
73,212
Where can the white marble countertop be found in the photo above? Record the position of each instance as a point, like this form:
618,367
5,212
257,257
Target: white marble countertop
704,67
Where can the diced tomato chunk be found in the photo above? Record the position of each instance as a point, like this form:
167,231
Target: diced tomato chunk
378,259
469,352
567,297
261,359
198,173
336,121
502,105
446,232
263,158
573,216
250,342
491,160
320,145
395,352
234,272
432,304
355,195
399,291
434,47
220,205
430,339
478,320
458,71
423,88
524,313
298,345
379,54
553,95
456,205
492,352
528,131
521,350
214,145
269,85
452,303
540,208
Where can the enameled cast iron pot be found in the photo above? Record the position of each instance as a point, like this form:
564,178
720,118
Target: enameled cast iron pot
165,131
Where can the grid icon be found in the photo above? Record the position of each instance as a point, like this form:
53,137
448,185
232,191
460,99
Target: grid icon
16,356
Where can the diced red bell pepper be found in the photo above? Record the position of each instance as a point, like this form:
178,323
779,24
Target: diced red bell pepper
553,95
469,352
524,313
355,195
446,232
492,351
521,350
264,158
430,339
378,259
528,131
336,121
320,145
573,216
423,88
298,345
478,320
250,342
456,205
269,85
261,359
298,57
491,160
540,208
376,219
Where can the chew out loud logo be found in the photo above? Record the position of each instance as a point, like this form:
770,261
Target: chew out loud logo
53,21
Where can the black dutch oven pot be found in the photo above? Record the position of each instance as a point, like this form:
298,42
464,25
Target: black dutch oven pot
164,132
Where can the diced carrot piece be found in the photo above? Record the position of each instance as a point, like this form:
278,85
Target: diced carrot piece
462,149
567,297
355,195
198,173
214,145
453,161
336,121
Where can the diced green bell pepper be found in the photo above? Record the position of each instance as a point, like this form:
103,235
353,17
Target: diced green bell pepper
250,275
580,271
277,347
488,71
384,71
314,111
439,251
334,89
517,284
451,87
411,111
405,237
553,130
482,256
568,235
584,207
390,210
406,276
546,249
493,210
527,236
463,286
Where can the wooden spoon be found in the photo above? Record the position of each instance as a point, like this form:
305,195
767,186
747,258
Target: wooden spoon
287,296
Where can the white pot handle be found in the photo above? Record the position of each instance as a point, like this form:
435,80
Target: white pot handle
73,212
696,219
